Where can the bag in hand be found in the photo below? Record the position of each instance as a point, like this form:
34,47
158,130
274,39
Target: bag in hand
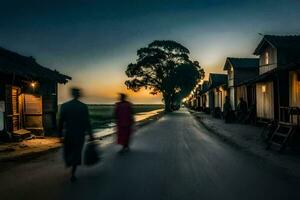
91,154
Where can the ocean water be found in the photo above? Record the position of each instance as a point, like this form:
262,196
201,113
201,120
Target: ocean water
103,122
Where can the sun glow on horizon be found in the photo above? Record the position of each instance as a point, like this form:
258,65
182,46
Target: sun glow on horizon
109,95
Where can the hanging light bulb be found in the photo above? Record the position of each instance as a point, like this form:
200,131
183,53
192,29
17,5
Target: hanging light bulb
33,84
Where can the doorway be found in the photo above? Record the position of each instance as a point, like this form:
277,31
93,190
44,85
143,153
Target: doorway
32,112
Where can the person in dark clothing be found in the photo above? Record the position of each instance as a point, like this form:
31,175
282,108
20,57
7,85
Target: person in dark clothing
74,118
227,110
125,120
251,117
242,110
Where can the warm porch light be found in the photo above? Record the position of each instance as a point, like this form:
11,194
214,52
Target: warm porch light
263,88
33,84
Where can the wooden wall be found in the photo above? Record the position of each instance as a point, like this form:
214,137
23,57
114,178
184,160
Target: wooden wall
265,100
248,93
15,116
232,97
50,107
294,89
251,95
33,111
242,75
241,92
219,97
273,58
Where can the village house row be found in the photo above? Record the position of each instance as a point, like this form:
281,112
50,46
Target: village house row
270,83
28,96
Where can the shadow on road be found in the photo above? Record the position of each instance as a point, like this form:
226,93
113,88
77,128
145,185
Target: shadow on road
119,171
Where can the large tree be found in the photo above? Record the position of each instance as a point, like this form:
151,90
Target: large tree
164,67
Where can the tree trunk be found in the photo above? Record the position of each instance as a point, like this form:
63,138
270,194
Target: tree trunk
167,101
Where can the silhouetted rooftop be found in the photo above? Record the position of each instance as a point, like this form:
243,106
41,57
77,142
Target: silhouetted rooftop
204,87
284,42
27,67
270,74
242,63
217,80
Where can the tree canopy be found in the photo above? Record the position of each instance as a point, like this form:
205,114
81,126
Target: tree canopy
164,67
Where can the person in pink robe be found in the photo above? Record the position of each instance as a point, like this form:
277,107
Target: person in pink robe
125,120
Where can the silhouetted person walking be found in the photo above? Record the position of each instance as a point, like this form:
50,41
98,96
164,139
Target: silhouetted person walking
125,121
227,110
74,118
242,110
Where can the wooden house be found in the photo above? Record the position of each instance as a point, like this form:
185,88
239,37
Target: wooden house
203,96
220,92
217,90
277,85
240,70
28,94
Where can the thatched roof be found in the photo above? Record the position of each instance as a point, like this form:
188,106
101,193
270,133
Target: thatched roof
27,67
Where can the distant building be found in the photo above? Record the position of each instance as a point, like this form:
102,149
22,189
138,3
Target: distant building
240,70
210,95
270,84
28,94
203,97
217,90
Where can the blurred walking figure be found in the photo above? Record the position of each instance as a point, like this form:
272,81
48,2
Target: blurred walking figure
242,110
74,118
125,121
227,110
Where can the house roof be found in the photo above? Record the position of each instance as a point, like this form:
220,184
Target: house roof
271,74
217,80
27,67
241,63
204,87
261,78
284,42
